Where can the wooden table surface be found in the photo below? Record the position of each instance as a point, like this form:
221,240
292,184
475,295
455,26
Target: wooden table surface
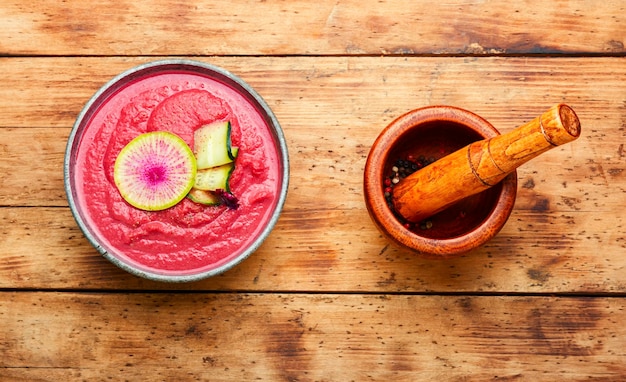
326,298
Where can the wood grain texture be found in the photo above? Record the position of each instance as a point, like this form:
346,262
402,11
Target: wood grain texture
305,28
330,140
341,250
51,91
284,337
566,233
326,297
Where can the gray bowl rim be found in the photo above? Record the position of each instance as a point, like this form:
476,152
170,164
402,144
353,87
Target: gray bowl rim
201,68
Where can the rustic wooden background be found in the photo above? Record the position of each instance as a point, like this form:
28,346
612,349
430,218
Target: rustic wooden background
326,298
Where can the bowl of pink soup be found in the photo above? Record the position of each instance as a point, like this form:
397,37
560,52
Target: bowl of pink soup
189,240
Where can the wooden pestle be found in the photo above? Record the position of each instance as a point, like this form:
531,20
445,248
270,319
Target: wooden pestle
482,164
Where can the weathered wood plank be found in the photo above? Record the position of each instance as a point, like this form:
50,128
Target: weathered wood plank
335,73
301,27
32,166
341,250
327,93
330,125
309,338
587,175
566,234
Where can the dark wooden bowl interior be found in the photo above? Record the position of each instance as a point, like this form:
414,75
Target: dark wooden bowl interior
436,140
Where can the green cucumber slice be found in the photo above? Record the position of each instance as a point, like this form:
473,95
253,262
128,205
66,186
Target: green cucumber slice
214,178
212,145
204,197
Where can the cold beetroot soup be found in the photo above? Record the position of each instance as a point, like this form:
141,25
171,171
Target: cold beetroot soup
189,238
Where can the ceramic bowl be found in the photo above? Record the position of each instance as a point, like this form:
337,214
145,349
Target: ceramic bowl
152,83
433,132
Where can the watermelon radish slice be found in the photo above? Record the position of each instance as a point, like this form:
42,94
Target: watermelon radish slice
155,171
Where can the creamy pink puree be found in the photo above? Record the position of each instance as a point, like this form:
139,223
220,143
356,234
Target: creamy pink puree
187,237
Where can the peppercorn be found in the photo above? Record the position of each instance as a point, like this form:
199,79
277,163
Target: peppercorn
402,168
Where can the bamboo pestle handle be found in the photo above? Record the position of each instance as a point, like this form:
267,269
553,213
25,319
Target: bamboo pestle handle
482,164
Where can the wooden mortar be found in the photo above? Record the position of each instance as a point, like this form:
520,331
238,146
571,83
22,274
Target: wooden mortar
482,164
